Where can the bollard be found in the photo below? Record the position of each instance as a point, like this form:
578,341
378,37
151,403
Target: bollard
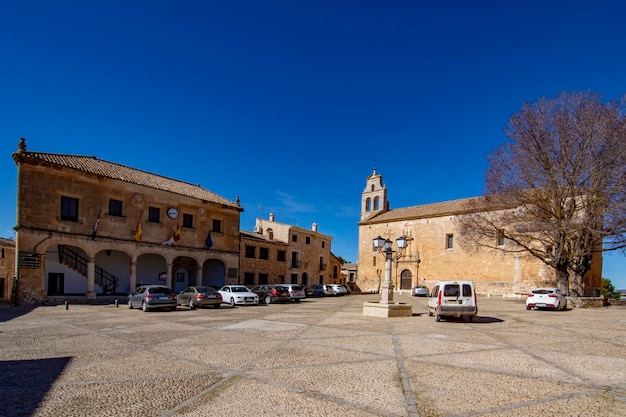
67,305
117,302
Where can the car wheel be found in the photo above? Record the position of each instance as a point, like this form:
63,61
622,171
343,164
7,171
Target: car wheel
297,300
191,306
144,306
430,313
472,319
528,307
232,302
268,300
437,317
216,306
173,308
130,304
564,307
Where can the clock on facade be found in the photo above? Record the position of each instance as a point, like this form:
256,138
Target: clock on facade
172,213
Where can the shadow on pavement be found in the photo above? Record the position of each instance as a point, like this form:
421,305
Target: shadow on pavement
24,383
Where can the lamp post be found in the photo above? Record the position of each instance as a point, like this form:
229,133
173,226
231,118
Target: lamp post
385,246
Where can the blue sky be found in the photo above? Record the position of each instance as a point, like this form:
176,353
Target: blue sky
287,104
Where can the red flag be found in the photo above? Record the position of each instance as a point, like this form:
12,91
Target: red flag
138,231
177,233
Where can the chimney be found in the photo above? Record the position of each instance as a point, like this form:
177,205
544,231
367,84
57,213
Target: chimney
271,217
314,228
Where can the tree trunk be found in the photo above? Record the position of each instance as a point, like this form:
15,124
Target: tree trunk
578,287
562,279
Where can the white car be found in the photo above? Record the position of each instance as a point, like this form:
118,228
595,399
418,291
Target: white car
339,289
238,294
546,298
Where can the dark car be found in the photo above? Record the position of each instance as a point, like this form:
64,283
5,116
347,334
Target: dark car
148,297
199,297
271,293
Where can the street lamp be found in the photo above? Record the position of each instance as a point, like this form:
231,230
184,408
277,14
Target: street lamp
384,246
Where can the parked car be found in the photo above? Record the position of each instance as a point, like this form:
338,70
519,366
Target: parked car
453,299
238,294
149,297
199,297
419,291
546,298
338,289
322,290
308,290
271,293
296,292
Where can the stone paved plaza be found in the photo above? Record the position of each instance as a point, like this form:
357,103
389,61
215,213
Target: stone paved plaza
320,357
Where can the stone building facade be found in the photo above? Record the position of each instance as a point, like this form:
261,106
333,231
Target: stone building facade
7,270
305,254
433,251
90,227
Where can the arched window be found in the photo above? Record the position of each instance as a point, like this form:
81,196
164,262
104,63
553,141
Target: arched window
375,203
372,187
367,204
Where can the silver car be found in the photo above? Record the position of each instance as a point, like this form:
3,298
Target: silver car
338,289
419,291
296,292
148,297
200,297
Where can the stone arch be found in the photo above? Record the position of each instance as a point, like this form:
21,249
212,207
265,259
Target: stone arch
213,273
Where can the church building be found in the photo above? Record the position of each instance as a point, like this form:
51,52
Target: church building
434,252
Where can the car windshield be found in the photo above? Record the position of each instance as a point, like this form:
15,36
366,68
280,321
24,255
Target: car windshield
206,289
451,290
543,291
239,289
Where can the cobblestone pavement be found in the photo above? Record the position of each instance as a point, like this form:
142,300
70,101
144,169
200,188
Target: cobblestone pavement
319,357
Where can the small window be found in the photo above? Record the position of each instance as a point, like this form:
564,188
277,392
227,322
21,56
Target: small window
308,240
115,207
295,260
294,238
449,241
154,214
250,251
500,239
281,256
374,261
69,208
248,278
264,253
294,278
323,244
467,290
187,220
217,226
262,278
322,266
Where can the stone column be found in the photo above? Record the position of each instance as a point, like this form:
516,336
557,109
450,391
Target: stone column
199,275
91,278
170,273
133,275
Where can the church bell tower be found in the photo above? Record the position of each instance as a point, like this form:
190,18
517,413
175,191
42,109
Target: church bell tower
374,197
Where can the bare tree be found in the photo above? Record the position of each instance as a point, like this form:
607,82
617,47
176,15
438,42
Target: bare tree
558,188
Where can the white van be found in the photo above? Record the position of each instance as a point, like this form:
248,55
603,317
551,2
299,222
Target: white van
453,299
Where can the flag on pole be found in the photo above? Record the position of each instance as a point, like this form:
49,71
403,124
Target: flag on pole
138,231
174,238
95,226
177,233
209,242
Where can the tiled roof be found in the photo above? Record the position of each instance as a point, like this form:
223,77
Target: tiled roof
93,165
446,208
257,236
